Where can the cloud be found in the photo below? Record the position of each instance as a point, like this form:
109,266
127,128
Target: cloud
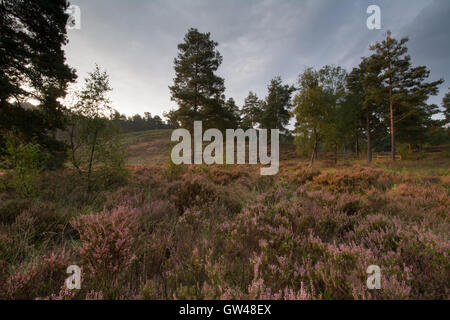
429,42
136,41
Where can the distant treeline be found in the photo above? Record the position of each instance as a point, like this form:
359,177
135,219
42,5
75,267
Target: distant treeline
140,123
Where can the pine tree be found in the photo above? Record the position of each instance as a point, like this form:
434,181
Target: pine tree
251,111
232,118
197,90
276,107
352,109
404,88
363,85
32,66
446,106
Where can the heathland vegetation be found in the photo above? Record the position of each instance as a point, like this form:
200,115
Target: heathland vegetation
81,184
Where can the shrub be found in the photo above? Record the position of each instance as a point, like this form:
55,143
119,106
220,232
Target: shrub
10,209
107,246
42,277
27,160
112,170
403,150
223,176
198,191
354,180
226,233
172,171
39,225
304,175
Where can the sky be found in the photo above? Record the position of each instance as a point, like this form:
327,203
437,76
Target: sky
135,41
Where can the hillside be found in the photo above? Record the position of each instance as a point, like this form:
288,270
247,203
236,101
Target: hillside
145,147
154,146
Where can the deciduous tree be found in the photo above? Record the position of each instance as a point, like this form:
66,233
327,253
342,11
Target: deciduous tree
309,113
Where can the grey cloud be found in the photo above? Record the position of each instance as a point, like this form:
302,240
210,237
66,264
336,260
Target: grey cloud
136,40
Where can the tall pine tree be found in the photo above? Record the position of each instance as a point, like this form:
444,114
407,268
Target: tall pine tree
232,118
251,111
32,66
198,91
276,107
352,109
446,107
363,86
403,87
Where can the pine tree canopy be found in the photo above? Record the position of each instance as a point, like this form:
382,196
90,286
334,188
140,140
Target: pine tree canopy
32,66
197,90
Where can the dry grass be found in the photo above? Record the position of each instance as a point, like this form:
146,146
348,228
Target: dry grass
147,146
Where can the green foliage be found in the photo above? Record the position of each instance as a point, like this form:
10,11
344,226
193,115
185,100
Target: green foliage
33,66
112,169
94,150
316,109
27,160
446,106
403,151
251,111
197,90
138,123
232,115
172,171
404,89
276,107
334,130
363,104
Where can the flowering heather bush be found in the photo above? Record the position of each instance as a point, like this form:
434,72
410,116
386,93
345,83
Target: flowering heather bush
40,278
226,176
194,191
17,239
303,175
354,180
225,232
11,208
107,244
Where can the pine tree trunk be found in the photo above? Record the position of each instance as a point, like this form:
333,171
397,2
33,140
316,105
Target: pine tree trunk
369,143
391,107
391,110
335,153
